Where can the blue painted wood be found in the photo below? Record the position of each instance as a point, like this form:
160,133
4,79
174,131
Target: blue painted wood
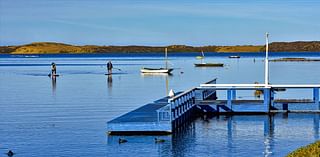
142,119
266,98
234,94
229,99
285,106
272,92
297,106
316,96
182,103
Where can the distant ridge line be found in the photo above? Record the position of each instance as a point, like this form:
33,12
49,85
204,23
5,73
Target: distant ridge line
53,48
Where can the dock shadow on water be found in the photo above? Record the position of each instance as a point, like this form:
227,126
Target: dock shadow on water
232,135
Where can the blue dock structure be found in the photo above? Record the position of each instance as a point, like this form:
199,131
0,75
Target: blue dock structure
166,115
161,116
270,103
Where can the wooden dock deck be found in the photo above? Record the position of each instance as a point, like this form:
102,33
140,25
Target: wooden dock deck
142,120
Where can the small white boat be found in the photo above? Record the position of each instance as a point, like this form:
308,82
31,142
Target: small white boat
234,56
158,70
155,70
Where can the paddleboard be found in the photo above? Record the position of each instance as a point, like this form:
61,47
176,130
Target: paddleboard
56,75
115,73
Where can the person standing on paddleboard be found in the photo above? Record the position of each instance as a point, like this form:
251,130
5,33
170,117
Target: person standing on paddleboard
53,69
109,67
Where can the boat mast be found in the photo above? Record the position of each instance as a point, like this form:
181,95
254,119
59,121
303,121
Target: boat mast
166,57
266,79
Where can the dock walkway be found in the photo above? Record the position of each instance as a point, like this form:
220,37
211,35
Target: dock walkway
141,120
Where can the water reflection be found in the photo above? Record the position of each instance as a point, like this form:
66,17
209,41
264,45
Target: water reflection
182,138
239,128
316,126
231,128
165,75
54,84
109,81
109,84
227,135
268,135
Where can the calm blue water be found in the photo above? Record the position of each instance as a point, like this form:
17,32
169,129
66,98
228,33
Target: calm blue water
67,117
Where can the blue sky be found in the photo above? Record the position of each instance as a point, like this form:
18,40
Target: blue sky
158,22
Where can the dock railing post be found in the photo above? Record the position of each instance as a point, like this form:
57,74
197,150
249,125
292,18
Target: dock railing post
316,96
266,75
234,94
271,99
266,98
158,116
229,97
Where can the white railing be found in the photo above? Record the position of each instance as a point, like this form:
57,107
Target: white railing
182,103
164,114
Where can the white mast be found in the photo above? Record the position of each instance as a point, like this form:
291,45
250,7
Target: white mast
266,79
166,57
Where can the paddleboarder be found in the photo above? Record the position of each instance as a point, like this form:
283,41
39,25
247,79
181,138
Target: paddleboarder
53,69
109,67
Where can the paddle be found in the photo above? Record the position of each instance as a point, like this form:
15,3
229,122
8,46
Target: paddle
118,69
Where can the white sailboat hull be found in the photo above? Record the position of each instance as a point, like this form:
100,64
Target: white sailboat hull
158,70
155,70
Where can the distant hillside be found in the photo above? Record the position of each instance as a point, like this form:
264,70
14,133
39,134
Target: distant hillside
298,46
51,48
245,48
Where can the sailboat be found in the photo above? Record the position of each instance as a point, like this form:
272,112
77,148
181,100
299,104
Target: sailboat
200,57
207,64
159,70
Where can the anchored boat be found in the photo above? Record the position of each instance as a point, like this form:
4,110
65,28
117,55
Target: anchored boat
156,70
236,56
159,70
208,64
